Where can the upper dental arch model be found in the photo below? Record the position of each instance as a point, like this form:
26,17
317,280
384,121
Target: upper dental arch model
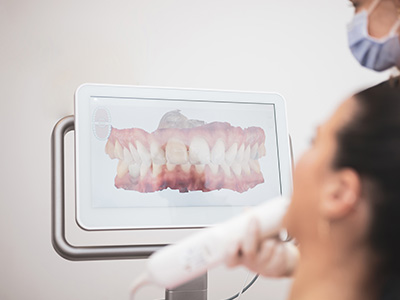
187,155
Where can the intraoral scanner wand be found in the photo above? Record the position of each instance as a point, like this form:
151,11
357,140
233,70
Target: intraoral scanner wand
176,264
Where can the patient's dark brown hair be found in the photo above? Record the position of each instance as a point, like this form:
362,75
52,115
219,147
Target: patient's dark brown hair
370,144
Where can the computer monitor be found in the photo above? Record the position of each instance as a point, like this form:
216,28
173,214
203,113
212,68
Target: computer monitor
166,158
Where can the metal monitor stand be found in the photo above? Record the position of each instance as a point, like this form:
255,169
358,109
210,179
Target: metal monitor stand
194,290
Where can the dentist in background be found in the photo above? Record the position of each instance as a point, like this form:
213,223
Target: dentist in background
374,40
373,34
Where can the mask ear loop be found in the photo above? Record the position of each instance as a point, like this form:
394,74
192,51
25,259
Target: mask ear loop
395,28
396,25
373,6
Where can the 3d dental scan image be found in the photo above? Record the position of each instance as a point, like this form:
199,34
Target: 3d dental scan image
187,155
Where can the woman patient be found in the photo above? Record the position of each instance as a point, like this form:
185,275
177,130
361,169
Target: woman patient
345,209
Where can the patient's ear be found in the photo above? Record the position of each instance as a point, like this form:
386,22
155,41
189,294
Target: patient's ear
341,193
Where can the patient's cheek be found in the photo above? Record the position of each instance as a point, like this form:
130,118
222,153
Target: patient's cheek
304,174
305,190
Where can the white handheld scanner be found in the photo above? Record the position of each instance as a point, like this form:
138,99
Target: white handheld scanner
176,264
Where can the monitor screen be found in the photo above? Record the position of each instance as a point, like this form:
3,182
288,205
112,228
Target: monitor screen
176,162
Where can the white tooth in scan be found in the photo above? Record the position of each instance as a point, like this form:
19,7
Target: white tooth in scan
134,170
218,152
240,154
134,153
170,167
156,169
226,169
230,155
253,152
199,151
122,169
254,165
144,168
200,168
110,149
186,167
176,152
127,156
214,168
236,168
261,150
118,151
157,154
246,167
144,154
246,155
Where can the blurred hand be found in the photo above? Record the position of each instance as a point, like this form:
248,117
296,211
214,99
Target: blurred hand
268,257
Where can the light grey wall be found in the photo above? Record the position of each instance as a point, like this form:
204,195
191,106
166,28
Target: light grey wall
49,47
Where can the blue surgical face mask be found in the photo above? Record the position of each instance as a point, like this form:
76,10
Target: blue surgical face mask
377,54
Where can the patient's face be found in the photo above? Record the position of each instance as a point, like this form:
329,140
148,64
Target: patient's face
312,176
382,18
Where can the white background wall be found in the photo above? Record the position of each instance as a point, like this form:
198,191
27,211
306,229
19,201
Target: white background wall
49,47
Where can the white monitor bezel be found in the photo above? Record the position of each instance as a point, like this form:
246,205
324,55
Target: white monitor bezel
89,218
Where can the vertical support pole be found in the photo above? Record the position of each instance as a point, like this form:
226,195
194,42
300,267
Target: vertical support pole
193,290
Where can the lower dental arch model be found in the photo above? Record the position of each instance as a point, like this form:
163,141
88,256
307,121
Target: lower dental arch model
187,155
